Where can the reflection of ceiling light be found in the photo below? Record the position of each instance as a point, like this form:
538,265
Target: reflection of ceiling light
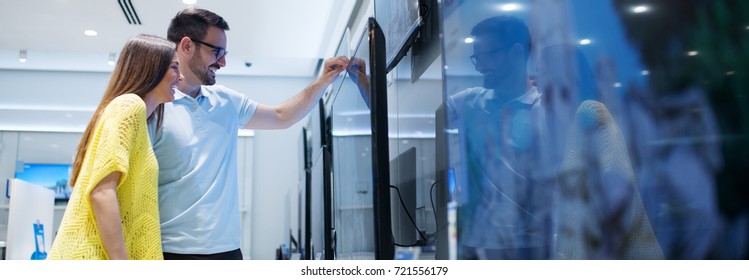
468,40
189,2
110,61
585,42
692,53
617,85
90,33
730,73
645,72
640,9
747,27
510,7
22,56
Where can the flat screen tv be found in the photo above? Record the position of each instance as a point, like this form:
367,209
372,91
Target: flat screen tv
399,21
427,45
320,201
49,175
403,198
303,234
384,246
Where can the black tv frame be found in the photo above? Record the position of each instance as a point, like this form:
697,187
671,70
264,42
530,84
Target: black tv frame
384,246
304,221
328,227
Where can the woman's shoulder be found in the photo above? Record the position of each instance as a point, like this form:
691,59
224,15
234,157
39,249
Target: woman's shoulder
128,100
126,104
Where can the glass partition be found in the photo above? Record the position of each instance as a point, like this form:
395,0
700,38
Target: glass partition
604,129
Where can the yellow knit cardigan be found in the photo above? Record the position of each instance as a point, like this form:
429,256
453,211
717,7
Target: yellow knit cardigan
120,142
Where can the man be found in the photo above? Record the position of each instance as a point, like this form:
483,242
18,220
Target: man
503,212
196,147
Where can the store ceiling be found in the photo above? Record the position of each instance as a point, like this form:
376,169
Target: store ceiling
279,38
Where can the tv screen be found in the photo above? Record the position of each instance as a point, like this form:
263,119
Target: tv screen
399,21
303,226
351,148
403,198
319,207
316,245
49,175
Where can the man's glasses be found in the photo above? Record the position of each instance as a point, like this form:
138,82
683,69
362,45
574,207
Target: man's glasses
485,56
218,51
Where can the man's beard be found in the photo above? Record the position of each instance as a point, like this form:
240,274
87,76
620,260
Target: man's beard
201,71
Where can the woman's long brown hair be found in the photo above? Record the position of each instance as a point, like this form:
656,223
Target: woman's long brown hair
142,64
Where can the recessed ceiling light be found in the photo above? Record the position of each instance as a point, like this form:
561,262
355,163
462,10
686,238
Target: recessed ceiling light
640,9
468,40
645,72
692,53
90,33
585,42
189,2
617,85
510,7
730,73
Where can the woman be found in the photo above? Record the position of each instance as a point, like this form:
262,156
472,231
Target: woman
113,210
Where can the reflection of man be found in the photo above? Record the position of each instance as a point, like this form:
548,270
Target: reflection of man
502,214
357,71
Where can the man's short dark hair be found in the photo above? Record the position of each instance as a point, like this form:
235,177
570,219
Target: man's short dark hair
193,23
508,30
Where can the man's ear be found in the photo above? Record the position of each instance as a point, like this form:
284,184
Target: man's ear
185,45
516,51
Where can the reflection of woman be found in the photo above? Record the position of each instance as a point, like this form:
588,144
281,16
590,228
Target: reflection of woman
600,211
565,80
113,210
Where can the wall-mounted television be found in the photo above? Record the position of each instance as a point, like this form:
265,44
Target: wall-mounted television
319,210
399,21
303,234
49,175
403,198
384,249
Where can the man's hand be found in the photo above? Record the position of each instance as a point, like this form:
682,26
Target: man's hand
332,67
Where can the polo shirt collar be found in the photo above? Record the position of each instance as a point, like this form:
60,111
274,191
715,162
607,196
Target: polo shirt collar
202,92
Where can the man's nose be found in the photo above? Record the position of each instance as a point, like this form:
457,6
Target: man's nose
222,61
